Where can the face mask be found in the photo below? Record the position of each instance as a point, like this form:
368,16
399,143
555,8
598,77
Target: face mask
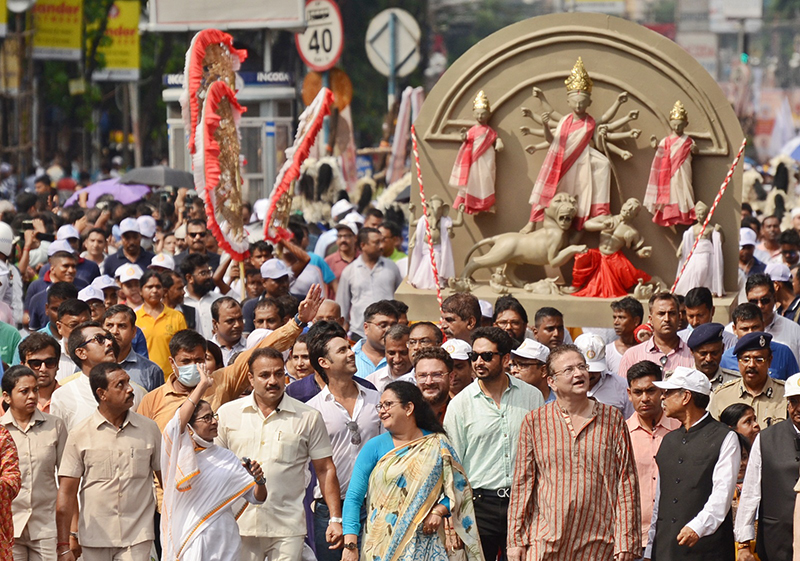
199,441
189,375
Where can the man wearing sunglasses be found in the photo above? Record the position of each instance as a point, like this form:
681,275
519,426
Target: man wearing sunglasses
761,291
41,353
755,387
88,345
349,411
196,233
483,423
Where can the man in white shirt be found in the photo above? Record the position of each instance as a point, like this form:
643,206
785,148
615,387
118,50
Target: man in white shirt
697,466
349,411
228,324
604,386
398,364
200,294
761,292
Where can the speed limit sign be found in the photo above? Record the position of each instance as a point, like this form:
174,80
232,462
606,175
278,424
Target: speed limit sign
320,45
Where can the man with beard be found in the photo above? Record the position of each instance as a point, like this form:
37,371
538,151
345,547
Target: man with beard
349,411
755,387
768,487
398,364
41,353
511,317
707,346
370,351
88,345
665,348
461,315
113,448
529,364
462,374
174,295
196,234
296,434
120,321
628,314
697,465
423,335
548,327
131,251
483,423
432,369
574,494
228,325
200,291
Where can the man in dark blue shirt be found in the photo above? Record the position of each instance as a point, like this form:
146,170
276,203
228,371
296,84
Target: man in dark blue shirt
131,251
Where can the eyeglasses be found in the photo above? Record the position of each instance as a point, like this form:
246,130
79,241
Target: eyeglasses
584,368
385,405
203,273
764,301
195,234
508,323
521,365
36,364
432,375
749,359
355,435
487,356
383,325
208,418
420,342
100,338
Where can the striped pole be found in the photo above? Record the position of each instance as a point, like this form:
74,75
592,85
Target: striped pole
425,217
721,192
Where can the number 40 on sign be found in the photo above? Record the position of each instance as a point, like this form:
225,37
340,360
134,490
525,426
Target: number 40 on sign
320,45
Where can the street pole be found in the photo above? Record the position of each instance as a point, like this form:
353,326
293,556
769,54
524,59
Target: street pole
392,59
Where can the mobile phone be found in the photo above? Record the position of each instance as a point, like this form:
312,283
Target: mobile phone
247,463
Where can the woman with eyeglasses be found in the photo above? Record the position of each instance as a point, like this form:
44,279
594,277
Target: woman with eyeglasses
412,481
206,486
157,321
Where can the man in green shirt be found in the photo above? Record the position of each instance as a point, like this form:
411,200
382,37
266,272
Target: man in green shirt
391,241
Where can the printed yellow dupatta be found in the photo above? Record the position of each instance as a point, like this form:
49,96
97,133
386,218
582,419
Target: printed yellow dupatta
405,484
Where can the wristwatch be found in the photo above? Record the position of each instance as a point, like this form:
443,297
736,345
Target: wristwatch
298,322
335,520
351,546
743,545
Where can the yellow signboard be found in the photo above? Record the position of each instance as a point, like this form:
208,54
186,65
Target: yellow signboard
121,55
57,29
3,18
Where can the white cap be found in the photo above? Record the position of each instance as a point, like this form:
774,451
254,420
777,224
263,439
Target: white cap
180,232
458,349
67,231
778,272
792,386
274,269
487,310
339,208
349,225
6,239
353,217
147,225
532,349
594,351
162,260
746,237
796,211
59,245
256,336
90,293
104,281
129,225
128,272
116,160
260,208
684,378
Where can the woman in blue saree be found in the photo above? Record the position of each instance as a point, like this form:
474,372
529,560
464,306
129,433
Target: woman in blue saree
412,482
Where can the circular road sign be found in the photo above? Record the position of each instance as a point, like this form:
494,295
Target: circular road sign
406,42
320,45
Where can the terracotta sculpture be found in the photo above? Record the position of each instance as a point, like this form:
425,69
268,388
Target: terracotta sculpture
474,170
670,196
605,272
705,268
549,245
573,165
420,271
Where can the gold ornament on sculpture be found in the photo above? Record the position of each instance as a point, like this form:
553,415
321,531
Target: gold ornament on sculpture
678,112
481,102
579,80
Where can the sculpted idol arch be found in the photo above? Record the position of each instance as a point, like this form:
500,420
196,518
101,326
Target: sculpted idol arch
620,56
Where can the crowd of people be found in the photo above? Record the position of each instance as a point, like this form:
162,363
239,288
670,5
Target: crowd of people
162,402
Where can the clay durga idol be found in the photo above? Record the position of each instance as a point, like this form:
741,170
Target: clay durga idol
474,169
669,196
605,272
705,268
573,164
420,269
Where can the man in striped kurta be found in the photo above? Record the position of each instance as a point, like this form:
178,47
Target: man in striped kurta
575,495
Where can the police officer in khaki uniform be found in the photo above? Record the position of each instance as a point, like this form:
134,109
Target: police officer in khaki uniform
707,346
755,388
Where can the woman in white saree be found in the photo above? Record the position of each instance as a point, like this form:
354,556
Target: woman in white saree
206,487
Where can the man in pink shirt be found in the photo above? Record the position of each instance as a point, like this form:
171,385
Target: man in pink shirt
347,249
647,427
665,348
